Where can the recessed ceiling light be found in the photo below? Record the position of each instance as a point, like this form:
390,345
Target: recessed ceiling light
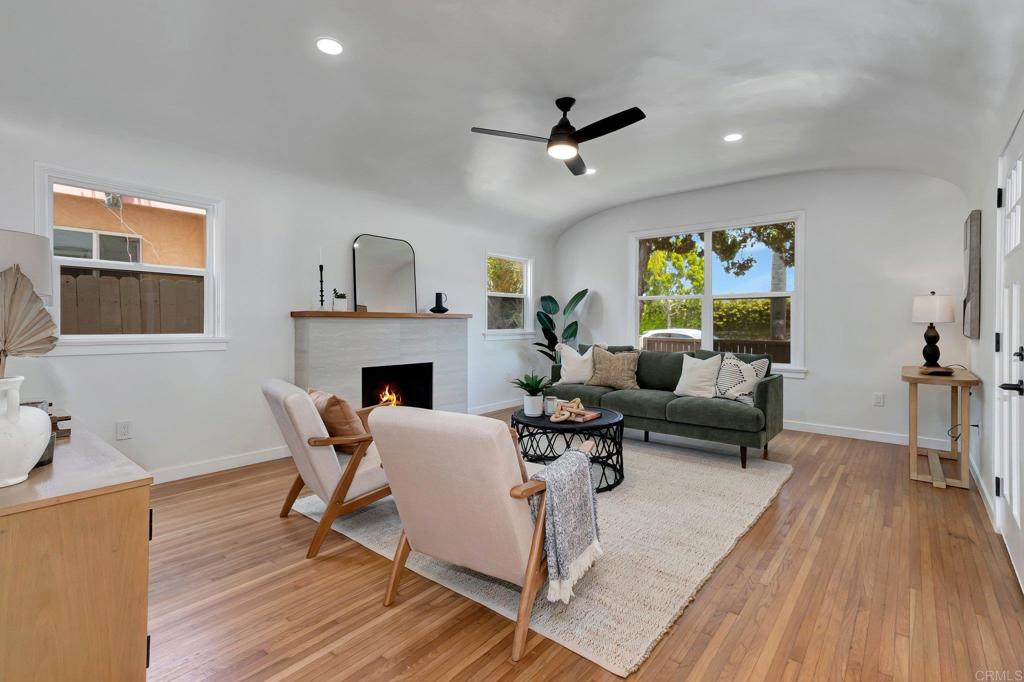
733,137
591,171
329,46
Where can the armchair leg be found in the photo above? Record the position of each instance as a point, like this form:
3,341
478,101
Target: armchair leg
764,452
330,513
293,494
536,571
401,554
743,456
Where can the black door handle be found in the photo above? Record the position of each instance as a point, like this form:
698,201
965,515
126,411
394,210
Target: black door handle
1019,354
1019,387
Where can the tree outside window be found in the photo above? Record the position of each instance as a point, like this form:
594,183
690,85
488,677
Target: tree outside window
747,283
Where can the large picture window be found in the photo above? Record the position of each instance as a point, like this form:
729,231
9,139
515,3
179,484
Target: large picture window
724,288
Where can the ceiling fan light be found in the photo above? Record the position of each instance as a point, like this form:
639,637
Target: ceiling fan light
562,150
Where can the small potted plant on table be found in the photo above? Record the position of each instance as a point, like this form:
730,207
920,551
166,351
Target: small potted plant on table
533,401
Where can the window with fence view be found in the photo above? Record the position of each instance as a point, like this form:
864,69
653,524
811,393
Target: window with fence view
726,289
128,265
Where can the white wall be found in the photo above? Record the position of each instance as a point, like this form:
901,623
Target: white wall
191,407
873,239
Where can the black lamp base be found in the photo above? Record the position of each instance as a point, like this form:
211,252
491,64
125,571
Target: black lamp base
931,347
930,352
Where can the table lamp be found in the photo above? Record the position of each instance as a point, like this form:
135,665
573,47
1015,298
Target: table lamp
33,253
932,309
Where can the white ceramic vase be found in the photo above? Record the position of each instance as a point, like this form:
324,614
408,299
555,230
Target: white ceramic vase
533,405
24,433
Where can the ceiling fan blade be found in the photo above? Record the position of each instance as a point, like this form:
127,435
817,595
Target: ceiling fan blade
609,124
576,165
503,133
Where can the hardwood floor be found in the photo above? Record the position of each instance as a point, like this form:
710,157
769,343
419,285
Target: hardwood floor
854,573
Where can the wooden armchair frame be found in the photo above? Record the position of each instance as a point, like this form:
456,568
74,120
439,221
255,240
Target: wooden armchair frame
337,506
536,564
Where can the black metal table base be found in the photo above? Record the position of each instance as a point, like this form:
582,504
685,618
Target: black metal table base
543,446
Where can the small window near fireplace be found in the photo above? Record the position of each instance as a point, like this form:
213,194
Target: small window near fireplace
411,385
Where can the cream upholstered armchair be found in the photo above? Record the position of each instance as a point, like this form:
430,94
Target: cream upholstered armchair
344,482
461,489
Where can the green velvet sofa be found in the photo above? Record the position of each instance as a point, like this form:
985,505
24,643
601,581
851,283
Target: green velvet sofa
654,407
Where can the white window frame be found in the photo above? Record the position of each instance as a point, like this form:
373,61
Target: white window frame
214,336
96,243
795,368
528,330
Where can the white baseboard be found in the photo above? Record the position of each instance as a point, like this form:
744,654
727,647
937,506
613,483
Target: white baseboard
209,466
987,497
865,434
494,407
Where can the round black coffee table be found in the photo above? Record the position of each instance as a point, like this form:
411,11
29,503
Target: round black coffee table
542,440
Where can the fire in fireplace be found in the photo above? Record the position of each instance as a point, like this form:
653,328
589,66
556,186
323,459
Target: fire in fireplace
411,385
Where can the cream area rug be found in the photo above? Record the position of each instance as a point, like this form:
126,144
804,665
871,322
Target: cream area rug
676,515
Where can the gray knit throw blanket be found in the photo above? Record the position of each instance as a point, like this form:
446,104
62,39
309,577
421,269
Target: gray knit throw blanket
571,536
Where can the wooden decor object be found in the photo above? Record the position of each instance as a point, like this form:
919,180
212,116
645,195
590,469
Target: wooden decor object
58,419
960,383
74,567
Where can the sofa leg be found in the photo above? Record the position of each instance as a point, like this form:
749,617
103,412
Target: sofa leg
647,436
764,452
743,456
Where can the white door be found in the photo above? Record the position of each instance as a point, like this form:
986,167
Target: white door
1010,361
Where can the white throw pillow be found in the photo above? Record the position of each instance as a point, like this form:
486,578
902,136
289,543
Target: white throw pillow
737,379
576,368
699,376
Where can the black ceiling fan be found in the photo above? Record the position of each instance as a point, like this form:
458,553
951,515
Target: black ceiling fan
564,141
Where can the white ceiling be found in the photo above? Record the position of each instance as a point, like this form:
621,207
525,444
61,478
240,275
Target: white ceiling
811,83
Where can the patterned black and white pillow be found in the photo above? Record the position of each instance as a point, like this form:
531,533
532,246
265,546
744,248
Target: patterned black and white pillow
737,379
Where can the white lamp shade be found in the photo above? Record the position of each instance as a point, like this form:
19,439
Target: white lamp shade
32,252
932,308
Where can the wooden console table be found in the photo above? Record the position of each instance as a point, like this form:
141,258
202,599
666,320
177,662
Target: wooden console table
74,567
960,383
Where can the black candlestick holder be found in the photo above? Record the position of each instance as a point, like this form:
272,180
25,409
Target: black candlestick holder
321,286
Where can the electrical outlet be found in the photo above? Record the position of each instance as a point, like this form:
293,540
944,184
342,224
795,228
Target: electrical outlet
123,430
878,400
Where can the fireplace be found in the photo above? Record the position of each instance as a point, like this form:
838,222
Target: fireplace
411,385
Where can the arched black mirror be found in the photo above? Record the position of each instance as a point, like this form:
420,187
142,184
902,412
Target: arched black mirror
384,274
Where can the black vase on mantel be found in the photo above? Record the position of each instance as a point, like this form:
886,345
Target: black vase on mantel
439,301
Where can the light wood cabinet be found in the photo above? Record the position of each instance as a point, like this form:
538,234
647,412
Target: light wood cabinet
74,567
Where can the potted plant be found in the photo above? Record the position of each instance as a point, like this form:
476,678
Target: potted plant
545,316
533,401
339,302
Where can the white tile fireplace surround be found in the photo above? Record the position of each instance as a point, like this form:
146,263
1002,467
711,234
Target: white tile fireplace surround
331,350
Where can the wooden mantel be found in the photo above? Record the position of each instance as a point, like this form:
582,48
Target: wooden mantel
418,316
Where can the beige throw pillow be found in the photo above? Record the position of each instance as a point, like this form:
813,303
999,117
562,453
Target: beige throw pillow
616,370
699,376
338,416
576,368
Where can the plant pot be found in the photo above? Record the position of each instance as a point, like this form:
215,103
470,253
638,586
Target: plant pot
556,372
533,405
24,433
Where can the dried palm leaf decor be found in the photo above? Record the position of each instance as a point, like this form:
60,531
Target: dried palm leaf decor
26,329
